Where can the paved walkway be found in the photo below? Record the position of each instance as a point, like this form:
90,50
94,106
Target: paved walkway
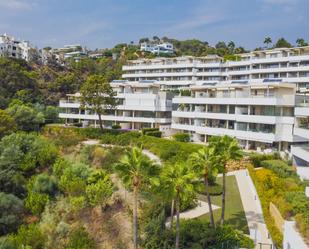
199,210
252,208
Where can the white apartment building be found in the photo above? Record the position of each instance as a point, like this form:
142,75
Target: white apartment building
301,152
277,65
11,47
259,116
141,105
164,48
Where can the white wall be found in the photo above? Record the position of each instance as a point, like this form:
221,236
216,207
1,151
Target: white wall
292,239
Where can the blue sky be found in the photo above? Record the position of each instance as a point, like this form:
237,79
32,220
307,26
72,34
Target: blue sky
104,23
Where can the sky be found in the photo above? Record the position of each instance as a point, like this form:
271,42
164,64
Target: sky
105,23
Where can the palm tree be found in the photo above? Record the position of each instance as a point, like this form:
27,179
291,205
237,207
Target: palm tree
136,169
204,163
180,178
267,41
227,149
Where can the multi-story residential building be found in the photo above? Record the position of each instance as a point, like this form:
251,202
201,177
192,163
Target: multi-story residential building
164,48
141,106
259,116
277,65
300,152
11,47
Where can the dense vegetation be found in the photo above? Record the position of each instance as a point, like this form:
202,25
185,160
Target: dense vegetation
278,183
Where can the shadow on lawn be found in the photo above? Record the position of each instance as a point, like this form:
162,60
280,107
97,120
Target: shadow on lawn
238,220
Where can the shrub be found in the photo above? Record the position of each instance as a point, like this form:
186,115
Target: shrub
154,133
29,237
44,184
116,126
11,211
257,158
80,239
36,202
146,130
182,137
280,168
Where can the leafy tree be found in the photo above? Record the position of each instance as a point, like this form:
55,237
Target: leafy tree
227,149
25,117
136,169
301,42
98,95
267,41
204,164
99,188
181,179
14,76
282,43
231,46
7,124
11,211
20,155
51,114
143,40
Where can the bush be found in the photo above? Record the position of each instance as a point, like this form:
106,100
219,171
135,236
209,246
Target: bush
146,130
116,126
11,211
80,239
154,133
36,202
182,137
122,139
257,159
280,168
29,237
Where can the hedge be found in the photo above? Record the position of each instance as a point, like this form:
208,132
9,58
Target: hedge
280,168
145,131
257,158
182,137
276,185
154,133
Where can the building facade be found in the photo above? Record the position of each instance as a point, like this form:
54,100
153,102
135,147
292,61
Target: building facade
10,47
277,65
261,117
162,48
141,106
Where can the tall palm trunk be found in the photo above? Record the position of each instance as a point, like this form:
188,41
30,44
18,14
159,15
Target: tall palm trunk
135,223
223,198
177,220
100,121
172,213
212,220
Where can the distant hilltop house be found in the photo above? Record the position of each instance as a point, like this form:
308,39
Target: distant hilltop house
11,47
162,48
75,51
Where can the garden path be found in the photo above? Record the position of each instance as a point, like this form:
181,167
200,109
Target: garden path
253,209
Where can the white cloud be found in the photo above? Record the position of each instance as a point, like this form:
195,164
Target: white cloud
17,4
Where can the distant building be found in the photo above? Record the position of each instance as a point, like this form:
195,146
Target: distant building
142,105
162,48
11,47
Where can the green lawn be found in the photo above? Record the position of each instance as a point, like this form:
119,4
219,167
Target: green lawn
234,212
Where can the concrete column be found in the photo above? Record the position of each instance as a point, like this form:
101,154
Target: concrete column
247,145
280,146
